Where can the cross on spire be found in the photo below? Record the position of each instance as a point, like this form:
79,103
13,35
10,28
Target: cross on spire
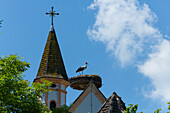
52,14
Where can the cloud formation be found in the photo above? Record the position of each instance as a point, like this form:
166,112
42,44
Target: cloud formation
157,68
127,29
124,27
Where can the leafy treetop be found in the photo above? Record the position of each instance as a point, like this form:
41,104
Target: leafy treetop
16,94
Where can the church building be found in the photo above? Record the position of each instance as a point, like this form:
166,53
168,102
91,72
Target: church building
52,68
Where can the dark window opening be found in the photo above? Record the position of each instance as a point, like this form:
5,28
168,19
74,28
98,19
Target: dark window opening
53,85
52,105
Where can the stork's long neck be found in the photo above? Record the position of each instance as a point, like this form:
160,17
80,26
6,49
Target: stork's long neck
85,66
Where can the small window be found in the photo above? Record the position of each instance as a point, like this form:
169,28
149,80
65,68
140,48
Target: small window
52,105
53,86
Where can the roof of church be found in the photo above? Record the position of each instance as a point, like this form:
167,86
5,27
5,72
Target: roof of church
113,104
52,63
83,95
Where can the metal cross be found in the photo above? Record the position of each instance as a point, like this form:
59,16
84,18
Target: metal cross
52,14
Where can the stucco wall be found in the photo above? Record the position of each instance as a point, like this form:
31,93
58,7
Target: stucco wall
85,106
52,96
62,98
62,87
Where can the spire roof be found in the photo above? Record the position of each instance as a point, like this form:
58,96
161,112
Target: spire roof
113,104
52,64
52,28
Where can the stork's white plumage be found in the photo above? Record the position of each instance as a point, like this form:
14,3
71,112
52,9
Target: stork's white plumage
82,68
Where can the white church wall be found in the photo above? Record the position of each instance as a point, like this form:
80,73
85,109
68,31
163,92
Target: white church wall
85,106
62,98
57,86
52,96
62,87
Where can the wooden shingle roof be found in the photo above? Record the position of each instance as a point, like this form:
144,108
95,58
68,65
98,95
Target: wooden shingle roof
52,63
113,104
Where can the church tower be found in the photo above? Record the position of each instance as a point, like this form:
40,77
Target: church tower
52,69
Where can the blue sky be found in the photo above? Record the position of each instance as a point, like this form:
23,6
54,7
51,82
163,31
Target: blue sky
126,42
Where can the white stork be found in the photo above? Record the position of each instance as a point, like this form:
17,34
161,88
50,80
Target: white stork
82,68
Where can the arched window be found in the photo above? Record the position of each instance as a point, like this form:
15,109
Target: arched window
52,105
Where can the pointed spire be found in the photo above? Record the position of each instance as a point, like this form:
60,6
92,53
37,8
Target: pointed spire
52,63
113,104
52,28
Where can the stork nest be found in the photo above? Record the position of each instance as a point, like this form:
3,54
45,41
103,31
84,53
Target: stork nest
80,82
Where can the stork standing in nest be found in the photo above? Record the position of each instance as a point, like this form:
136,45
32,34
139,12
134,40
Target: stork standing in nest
82,68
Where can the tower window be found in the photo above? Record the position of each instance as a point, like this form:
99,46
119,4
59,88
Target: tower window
53,86
52,105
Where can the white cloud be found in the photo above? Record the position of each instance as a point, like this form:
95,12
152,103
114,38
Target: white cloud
157,68
127,29
124,27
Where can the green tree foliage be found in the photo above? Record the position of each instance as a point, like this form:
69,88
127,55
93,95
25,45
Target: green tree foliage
16,94
157,111
1,22
168,107
131,108
62,109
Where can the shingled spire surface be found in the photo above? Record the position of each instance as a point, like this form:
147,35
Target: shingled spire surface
52,63
113,104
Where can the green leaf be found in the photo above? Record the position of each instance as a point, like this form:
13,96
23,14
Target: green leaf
1,62
157,111
15,92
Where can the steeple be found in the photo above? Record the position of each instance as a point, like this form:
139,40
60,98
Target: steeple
52,63
52,69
